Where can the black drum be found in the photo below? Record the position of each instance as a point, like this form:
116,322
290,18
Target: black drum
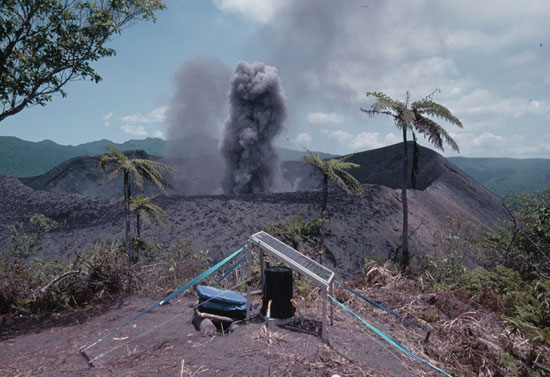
278,288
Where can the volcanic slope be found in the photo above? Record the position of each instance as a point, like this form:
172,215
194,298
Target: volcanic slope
222,223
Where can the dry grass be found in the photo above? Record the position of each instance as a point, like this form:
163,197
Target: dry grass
465,340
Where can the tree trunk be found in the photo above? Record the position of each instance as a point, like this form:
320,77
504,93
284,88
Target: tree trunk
138,225
323,214
127,239
405,256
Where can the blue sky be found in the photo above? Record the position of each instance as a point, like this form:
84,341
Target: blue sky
489,59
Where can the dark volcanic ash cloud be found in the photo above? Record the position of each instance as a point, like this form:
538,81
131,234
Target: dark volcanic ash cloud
199,103
257,112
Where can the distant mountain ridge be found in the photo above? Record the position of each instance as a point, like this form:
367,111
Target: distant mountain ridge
22,158
507,175
29,159
26,158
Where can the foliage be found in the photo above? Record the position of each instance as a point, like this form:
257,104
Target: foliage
24,242
139,169
150,250
295,230
459,244
303,236
35,286
510,283
96,276
147,211
303,287
416,117
334,169
47,43
523,244
174,267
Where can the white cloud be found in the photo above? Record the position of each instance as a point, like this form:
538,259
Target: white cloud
492,145
366,140
325,118
106,119
421,77
138,130
392,138
482,101
158,115
262,11
341,137
520,59
486,139
303,140
363,140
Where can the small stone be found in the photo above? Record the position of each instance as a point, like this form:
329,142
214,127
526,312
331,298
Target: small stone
207,327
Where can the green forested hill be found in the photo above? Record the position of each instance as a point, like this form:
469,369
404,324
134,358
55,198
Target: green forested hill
26,158
507,175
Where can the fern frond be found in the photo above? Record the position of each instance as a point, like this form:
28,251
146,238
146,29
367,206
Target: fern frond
435,133
116,152
142,204
334,169
431,108
114,173
345,181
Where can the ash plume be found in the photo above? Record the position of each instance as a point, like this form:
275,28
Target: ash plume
257,112
198,106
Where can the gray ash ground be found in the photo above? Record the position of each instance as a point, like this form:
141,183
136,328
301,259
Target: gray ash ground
362,229
221,224
165,343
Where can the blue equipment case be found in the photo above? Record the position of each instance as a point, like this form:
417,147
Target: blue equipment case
221,302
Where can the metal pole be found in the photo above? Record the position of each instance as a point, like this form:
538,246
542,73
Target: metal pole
249,281
324,321
331,287
262,268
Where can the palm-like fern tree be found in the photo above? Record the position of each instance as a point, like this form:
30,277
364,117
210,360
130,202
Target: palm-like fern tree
413,117
139,169
147,211
334,170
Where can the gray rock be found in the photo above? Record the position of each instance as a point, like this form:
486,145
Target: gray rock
207,327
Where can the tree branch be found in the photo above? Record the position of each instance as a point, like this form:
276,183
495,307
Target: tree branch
59,278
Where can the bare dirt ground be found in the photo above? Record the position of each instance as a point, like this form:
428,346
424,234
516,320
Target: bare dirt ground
165,343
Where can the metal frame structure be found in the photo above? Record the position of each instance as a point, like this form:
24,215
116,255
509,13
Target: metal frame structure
316,272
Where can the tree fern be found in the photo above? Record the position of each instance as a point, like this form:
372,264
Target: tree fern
414,118
335,171
138,169
147,211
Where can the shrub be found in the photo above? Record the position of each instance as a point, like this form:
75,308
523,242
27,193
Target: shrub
33,286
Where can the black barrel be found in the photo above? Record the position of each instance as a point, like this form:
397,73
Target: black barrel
278,288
